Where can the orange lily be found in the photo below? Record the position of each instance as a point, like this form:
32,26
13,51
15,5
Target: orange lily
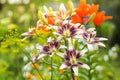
84,10
42,28
100,17
51,20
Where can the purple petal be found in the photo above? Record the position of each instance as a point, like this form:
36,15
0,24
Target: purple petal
72,52
46,48
79,63
56,44
60,31
51,44
73,31
78,55
65,65
85,35
66,57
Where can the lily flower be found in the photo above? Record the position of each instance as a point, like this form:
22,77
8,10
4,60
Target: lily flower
31,32
51,48
84,10
67,29
90,38
49,15
72,61
100,17
62,14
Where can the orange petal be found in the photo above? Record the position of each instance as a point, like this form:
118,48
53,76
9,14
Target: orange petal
82,2
76,19
62,70
108,17
38,75
35,65
30,76
94,8
50,20
100,17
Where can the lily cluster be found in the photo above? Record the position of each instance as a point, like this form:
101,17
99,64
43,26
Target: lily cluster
67,30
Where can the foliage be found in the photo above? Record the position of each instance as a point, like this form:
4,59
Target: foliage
16,51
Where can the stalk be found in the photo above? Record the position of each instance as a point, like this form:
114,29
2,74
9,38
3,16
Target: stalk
38,72
51,69
89,64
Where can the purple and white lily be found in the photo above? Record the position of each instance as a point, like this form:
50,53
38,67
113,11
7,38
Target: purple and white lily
67,29
31,32
52,47
72,61
90,38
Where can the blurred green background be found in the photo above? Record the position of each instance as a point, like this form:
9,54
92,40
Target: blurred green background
17,15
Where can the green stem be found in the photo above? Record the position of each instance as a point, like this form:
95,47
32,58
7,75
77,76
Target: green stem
89,73
50,63
51,69
89,64
66,44
38,72
73,77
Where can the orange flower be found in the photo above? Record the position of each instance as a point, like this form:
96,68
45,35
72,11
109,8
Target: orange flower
35,65
84,10
50,20
49,68
76,78
38,75
62,70
42,28
30,76
100,17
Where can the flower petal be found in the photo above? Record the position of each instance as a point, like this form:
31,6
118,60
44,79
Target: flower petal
85,66
62,47
101,39
101,44
78,55
75,69
65,65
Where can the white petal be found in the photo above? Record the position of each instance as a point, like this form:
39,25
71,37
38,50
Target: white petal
75,69
63,66
56,33
91,29
24,34
54,27
52,54
62,8
59,38
82,52
92,47
41,56
49,39
101,44
102,39
45,8
62,47
38,46
76,25
27,67
61,54
85,66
